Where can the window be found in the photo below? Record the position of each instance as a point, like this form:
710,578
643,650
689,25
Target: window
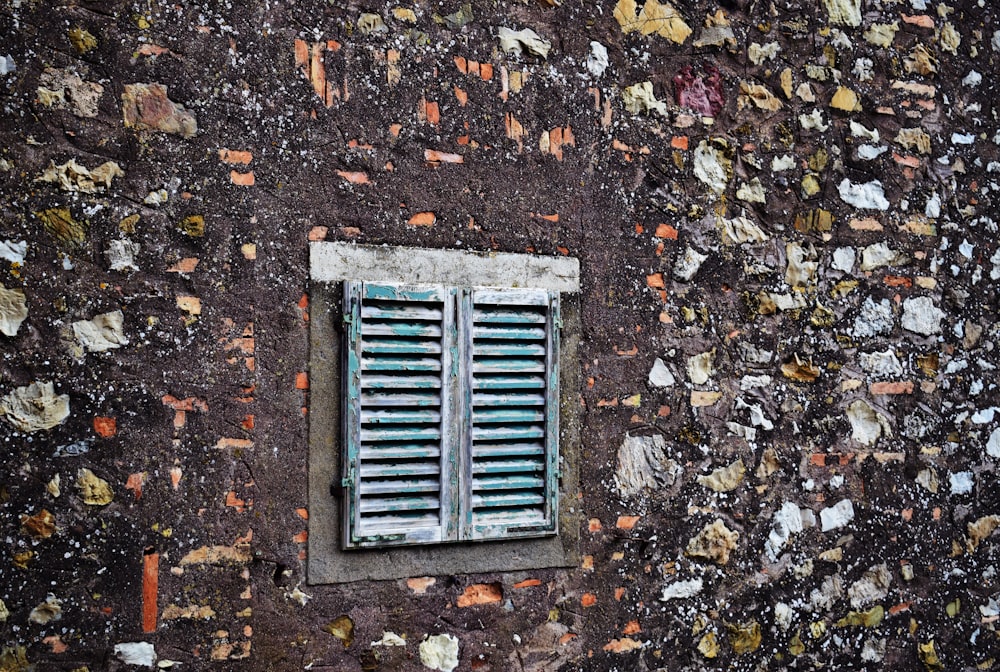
451,413
443,412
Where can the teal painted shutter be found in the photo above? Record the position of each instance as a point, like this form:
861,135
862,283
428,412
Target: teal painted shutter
510,445
400,371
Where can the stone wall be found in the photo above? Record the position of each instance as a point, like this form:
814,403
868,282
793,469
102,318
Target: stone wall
784,212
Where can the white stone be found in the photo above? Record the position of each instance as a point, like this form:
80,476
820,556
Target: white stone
440,652
700,367
35,407
860,131
524,41
642,463
963,138
679,590
993,444
103,332
867,195
824,597
966,249
660,375
780,163
871,152
882,365
597,60
13,251
813,120
752,191
13,310
874,319
757,417
873,650
873,586
961,482
843,259
879,255
740,230
837,516
972,79
787,520
995,42
390,639
7,65
687,266
802,264
933,207
711,166
867,424
921,316
136,653
742,431
121,254
758,53
783,615
751,382
639,99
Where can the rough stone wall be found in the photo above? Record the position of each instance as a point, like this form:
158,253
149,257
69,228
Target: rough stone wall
785,212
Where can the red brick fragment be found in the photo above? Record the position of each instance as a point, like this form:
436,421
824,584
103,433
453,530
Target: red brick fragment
480,593
235,157
588,600
105,427
241,179
666,231
135,482
627,522
896,387
422,219
527,583
355,176
150,590
436,158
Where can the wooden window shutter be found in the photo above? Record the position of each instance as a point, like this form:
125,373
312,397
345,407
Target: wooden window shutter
511,395
451,422
398,390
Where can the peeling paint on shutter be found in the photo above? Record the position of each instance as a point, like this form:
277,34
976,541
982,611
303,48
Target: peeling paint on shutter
451,414
400,368
510,449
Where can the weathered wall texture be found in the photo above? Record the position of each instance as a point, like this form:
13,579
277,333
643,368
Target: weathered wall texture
785,212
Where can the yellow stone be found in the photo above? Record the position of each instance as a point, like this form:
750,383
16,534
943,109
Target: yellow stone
709,645
786,82
745,637
404,14
845,99
810,185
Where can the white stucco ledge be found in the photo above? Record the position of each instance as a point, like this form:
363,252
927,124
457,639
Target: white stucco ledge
339,261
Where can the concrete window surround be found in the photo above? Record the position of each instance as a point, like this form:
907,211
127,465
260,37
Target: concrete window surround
330,264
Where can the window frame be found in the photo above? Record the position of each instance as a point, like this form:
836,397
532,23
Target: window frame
330,265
